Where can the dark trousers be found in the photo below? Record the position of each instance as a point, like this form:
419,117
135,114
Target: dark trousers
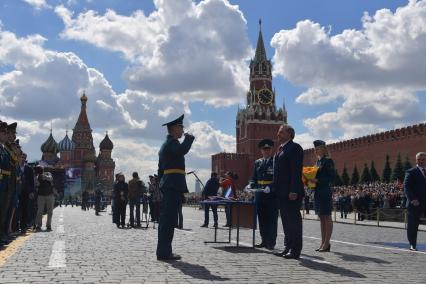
179,223
135,204
5,203
292,224
120,208
228,215
168,216
414,215
267,214
206,213
23,211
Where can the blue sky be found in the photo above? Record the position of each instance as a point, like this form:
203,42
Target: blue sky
331,60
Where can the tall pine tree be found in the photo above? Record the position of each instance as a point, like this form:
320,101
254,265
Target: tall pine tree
407,164
355,176
373,173
365,176
398,170
387,171
345,176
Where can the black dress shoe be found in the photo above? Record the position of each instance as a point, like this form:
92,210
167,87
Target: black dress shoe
169,257
269,247
261,245
204,226
283,253
413,248
292,255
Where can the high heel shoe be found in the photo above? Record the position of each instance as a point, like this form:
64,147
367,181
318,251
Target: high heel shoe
318,249
325,249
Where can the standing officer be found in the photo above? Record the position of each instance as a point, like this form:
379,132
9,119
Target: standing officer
415,191
5,173
288,188
171,172
11,184
267,210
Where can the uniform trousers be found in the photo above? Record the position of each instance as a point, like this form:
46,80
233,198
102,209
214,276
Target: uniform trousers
170,204
267,214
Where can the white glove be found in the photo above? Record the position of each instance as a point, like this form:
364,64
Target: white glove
267,189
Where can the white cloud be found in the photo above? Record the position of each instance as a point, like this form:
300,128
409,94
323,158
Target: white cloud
182,43
374,72
38,4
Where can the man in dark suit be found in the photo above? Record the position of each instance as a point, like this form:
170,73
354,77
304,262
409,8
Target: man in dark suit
171,172
211,189
288,189
415,191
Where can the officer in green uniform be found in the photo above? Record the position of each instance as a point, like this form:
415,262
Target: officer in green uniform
266,207
171,173
5,173
10,184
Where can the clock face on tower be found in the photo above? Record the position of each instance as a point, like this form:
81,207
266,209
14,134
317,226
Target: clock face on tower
265,96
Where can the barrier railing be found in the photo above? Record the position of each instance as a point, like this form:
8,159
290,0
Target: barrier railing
380,217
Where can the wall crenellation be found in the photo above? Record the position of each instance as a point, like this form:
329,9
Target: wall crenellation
390,135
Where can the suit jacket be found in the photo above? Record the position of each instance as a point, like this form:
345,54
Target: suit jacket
415,186
288,166
211,188
172,156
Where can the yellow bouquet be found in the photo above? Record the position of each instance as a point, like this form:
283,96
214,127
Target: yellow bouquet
307,174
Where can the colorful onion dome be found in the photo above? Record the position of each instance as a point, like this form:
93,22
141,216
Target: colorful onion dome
50,145
66,144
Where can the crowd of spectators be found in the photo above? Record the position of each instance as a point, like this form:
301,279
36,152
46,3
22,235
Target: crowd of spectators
365,197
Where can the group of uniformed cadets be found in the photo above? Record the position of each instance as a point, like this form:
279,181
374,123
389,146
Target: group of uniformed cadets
17,190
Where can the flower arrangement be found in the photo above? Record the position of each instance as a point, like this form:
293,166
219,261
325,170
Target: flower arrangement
307,174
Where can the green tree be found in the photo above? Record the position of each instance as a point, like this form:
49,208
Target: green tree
407,164
337,179
365,176
387,171
398,171
345,176
373,173
355,176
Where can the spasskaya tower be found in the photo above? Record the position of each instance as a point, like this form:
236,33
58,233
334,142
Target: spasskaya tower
259,119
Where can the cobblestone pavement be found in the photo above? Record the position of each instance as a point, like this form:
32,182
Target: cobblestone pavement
84,248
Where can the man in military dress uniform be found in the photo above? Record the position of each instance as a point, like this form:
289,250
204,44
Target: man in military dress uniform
5,172
266,207
171,172
11,182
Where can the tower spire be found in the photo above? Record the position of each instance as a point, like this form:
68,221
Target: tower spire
260,47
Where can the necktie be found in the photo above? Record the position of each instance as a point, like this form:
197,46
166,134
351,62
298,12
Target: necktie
424,172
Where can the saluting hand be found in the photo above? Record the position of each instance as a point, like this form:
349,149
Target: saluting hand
189,135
